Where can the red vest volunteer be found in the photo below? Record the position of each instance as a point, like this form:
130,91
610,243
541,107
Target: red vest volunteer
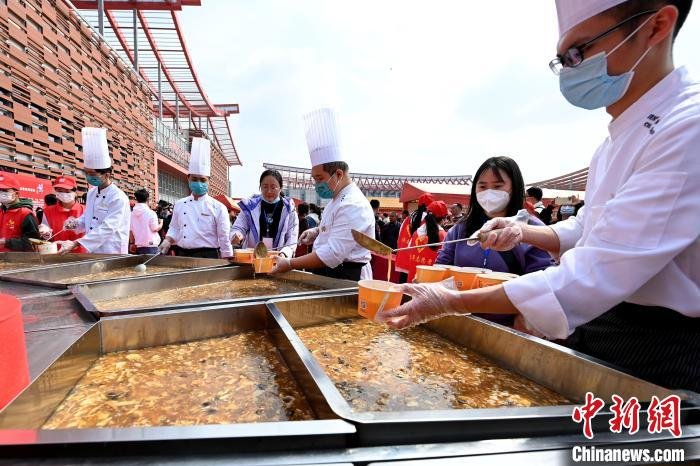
17,220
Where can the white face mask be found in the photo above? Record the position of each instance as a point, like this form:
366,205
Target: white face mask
7,197
65,197
493,200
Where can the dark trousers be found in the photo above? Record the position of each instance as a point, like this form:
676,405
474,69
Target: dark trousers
204,253
653,343
345,271
147,250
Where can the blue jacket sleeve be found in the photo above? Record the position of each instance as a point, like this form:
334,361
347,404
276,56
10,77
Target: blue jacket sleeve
446,255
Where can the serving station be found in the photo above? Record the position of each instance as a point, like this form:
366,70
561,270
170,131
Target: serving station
283,370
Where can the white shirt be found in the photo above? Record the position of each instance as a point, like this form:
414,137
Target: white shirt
201,223
636,239
144,226
334,245
105,221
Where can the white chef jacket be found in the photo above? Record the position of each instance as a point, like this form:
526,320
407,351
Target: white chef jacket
334,244
201,223
636,239
105,221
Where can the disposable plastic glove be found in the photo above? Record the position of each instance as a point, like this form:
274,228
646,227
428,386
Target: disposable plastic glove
66,246
165,246
504,233
283,265
71,223
44,231
237,238
309,236
429,301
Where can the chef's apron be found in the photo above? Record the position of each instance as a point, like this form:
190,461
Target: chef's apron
345,271
656,344
202,253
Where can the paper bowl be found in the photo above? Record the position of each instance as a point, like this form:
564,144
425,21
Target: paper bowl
465,277
493,278
264,264
448,269
47,248
372,293
244,256
430,274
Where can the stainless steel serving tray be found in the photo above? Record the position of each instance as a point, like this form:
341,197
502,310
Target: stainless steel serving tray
21,420
52,276
567,372
31,260
90,293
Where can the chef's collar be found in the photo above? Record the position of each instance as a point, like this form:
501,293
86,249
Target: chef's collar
201,198
647,103
100,191
343,191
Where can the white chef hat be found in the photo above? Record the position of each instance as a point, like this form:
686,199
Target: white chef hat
572,12
95,149
200,158
322,136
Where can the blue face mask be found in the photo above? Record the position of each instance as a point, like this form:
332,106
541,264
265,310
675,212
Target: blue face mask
94,180
199,188
324,190
589,85
275,201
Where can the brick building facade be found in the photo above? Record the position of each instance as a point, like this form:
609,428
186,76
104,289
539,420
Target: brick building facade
57,77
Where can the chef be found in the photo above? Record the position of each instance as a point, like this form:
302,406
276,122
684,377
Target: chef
105,220
627,289
335,252
200,225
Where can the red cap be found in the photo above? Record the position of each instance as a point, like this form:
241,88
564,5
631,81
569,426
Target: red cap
8,181
438,209
65,182
425,199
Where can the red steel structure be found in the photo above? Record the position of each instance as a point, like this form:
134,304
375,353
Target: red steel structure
300,178
60,75
574,181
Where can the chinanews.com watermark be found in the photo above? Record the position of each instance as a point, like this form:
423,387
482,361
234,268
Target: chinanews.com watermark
592,454
663,416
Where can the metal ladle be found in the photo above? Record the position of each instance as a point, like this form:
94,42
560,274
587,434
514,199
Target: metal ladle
260,250
142,266
373,245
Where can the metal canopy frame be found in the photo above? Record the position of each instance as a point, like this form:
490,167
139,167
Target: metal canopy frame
300,178
575,181
147,34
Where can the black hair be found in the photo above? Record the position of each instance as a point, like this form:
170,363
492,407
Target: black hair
273,173
50,199
459,205
432,226
303,209
406,213
476,217
332,167
103,171
315,209
417,218
141,195
535,192
374,203
631,7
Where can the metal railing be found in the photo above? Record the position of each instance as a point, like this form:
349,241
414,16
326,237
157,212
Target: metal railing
171,143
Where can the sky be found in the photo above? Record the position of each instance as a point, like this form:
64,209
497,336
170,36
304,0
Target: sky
421,88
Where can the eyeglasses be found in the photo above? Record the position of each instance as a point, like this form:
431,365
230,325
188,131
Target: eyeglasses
574,55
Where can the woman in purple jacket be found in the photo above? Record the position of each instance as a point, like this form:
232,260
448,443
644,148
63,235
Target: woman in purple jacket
498,190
